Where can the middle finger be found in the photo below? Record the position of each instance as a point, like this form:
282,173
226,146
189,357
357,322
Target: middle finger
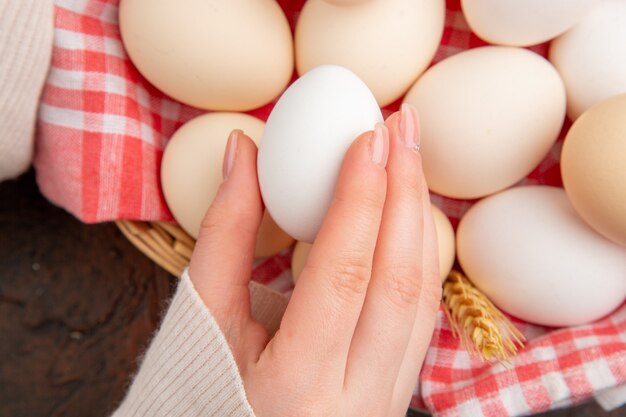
324,309
388,315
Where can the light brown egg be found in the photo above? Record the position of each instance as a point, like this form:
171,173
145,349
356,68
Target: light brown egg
299,258
593,165
446,242
387,43
211,54
191,173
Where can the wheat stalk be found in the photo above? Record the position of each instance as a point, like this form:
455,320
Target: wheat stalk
482,328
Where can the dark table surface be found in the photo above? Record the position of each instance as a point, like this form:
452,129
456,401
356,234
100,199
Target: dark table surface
78,305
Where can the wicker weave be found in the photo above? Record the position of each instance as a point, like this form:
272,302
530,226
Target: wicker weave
165,243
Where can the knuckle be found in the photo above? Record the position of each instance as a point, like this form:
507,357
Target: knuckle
363,201
215,223
223,220
412,185
402,284
432,292
350,277
212,221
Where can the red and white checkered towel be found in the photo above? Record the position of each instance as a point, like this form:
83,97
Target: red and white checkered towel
102,129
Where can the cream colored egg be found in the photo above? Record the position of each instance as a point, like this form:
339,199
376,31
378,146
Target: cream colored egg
489,116
299,258
591,57
534,257
593,164
191,173
523,22
387,43
445,241
211,54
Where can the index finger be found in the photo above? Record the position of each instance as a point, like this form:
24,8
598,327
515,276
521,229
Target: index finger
324,309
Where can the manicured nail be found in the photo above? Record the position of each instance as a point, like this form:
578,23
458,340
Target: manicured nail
409,126
230,153
379,145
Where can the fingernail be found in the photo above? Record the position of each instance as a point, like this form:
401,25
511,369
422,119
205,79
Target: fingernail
230,153
409,128
379,145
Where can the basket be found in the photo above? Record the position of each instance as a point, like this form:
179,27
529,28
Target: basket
166,244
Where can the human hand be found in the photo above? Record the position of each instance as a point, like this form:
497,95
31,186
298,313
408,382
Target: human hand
358,324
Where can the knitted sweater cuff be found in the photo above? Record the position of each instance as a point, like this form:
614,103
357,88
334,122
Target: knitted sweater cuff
26,34
189,369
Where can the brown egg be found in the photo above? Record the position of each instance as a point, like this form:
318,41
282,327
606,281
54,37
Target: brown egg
593,165
211,54
191,173
298,259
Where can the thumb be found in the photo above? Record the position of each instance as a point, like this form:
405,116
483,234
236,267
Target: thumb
221,264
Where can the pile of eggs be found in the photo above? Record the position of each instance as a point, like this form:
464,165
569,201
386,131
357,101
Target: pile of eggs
489,116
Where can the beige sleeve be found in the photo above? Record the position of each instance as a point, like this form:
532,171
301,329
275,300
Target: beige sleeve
26,30
189,369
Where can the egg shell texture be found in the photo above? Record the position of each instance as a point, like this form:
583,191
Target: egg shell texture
210,54
591,57
523,22
387,43
445,242
305,139
191,173
531,254
489,116
593,165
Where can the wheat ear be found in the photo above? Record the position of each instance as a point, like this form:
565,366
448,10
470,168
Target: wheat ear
482,328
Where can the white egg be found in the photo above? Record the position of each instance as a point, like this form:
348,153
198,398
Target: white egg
305,139
489,116
523,22
530,253
591,57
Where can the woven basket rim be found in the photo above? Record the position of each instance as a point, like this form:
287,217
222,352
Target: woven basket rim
166,244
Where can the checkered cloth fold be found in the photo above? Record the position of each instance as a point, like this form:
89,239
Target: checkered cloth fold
102,129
